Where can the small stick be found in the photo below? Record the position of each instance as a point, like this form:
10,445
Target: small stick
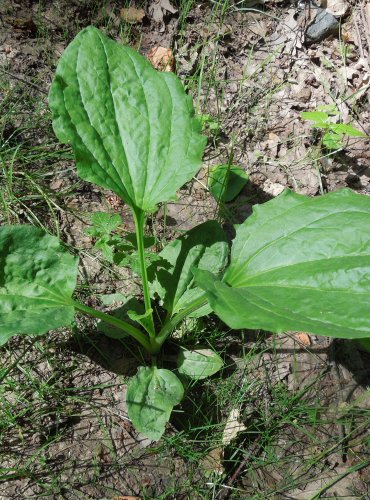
360,47
366,22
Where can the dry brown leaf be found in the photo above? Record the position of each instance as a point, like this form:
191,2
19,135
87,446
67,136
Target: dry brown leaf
303,338
166,5
212,462
114,201
161,58
132,15
272,188
232,427
157,9
337,7
125,497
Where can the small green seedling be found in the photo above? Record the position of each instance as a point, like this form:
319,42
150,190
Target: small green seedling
102,231
209,123
117,248
333,133
295,264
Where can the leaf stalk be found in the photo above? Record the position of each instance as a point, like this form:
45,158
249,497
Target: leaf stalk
170,325
139,218
111,320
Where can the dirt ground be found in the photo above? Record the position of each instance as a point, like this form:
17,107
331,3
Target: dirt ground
252,69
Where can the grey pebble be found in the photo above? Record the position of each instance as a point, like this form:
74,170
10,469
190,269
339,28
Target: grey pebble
325,24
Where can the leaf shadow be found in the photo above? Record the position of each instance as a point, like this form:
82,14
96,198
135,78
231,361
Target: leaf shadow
109,347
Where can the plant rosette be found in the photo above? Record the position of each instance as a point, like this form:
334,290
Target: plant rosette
297,263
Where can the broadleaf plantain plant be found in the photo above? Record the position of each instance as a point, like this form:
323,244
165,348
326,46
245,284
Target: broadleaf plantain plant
296,263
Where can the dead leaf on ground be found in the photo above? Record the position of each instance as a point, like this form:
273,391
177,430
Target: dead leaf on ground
303,338
232,427
272,188
162,58
158,8
212,462
337,7
132,15
166,5
125,497
114,201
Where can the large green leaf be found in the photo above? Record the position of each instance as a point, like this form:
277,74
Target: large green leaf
37,279
151,395
299,264
132,128
204,246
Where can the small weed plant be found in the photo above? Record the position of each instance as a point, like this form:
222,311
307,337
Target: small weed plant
333,133
295,264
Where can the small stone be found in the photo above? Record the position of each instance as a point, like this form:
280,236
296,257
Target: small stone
324,25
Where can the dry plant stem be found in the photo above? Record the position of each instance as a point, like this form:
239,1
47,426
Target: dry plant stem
365,17
360,47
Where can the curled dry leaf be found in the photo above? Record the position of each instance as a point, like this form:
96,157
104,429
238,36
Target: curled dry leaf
132,15
232,427
161,58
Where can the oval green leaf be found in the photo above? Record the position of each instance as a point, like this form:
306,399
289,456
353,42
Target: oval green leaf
151,395
226,181
131,127
199,363
37,279
299,264
204,246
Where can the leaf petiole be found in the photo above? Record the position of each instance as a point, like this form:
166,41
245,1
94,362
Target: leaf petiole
170,325
139,218
123,325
